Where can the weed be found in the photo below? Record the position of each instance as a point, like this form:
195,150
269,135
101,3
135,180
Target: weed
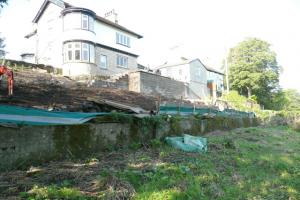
135,145
296,125
244,164
52,192
155,143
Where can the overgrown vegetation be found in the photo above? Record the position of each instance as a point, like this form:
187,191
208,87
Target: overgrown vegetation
249,163
288,112
240,102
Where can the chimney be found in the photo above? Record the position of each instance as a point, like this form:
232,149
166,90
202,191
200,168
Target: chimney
112,16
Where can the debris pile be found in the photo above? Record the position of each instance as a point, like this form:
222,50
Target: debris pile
51,92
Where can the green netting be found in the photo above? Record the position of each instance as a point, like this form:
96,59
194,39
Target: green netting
189,110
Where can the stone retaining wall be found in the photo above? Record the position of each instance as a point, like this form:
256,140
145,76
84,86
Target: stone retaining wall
29,145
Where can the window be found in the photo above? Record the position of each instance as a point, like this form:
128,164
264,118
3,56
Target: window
85,52
122,39
85,22
91,23
103,61
122,61
92,53
78,21
69,52
79,52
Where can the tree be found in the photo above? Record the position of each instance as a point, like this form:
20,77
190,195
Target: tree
292,100
2,45
254,70
2,2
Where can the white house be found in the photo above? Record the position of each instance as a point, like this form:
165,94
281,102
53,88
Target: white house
202,82
81,42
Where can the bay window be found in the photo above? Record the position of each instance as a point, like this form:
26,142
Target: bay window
78,20
79,52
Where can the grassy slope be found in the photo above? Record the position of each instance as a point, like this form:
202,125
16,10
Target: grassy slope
252,163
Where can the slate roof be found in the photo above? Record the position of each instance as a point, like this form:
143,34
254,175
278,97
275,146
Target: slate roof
188,61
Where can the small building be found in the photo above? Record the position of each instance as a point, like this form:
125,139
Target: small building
81,42
28,57
202,82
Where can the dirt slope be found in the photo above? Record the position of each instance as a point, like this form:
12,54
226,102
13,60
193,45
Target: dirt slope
43,90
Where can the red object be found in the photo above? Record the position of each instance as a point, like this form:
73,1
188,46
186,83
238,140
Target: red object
10,78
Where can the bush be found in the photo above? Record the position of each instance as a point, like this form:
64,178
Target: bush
240,102
296,125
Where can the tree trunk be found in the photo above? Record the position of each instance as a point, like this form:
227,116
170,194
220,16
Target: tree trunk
249,92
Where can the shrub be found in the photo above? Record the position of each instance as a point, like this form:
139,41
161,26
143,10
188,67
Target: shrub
296,125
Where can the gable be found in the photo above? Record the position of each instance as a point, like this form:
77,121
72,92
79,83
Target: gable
44,6
64,5
207,68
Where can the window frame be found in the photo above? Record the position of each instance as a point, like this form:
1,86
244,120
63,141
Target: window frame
100,63
85,50
71,52
122,39
84,19
122,61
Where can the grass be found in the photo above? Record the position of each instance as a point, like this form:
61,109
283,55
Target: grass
250,163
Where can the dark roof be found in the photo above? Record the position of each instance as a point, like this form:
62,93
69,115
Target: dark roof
43,7
101,19
27,54
140,66
105,47
209,68
186,61
105,21
213,70
116,50
30,34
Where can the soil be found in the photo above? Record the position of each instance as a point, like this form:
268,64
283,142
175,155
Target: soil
53,92
83,175
47,91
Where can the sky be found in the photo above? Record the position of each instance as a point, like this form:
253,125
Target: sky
204,29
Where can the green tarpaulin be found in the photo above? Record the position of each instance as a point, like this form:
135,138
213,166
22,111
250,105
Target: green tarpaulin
188,143
30,116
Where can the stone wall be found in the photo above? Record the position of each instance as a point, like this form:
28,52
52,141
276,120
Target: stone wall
112,67
153,84
28,145
120,83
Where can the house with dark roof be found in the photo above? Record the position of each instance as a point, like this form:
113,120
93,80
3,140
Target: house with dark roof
202,82
81,42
